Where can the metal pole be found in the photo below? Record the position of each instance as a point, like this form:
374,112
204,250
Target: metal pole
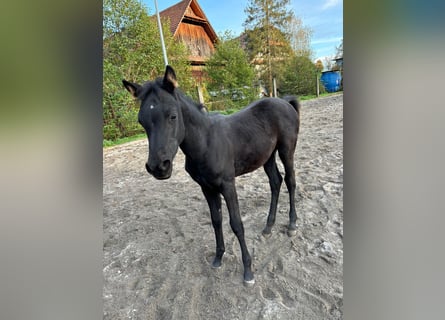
162,35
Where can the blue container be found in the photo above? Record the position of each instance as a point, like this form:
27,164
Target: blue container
331,80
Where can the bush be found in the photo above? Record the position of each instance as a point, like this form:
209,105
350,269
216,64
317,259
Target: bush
230,76
299,78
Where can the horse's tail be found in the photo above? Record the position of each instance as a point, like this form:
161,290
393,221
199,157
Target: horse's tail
294,102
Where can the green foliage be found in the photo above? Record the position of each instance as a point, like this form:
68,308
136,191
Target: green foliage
299,78
231,77
132,51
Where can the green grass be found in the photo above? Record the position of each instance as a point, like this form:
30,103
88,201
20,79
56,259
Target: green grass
314,96
110,143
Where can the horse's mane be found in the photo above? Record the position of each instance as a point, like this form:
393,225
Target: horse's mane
189,101
157,84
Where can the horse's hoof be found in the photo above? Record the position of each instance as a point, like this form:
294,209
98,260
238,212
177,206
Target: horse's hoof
291,232
217,263
249,278
266,233
249,283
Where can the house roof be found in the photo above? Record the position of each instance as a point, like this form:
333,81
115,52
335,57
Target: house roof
187,10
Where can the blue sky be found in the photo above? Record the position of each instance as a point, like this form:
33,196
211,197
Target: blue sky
324,17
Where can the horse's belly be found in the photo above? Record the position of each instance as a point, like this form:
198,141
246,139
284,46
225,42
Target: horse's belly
249,161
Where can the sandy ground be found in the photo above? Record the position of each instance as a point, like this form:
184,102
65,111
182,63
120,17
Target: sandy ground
159,241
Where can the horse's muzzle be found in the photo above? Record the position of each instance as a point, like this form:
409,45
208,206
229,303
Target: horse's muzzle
161,171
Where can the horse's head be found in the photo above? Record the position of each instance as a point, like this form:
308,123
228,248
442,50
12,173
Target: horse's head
160,115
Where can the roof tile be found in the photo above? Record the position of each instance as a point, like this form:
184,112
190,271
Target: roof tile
175,13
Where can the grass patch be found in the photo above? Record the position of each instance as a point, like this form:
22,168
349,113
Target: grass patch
314,96
110,143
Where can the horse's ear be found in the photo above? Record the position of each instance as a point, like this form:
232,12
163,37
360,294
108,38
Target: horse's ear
133,88
203,108
169,83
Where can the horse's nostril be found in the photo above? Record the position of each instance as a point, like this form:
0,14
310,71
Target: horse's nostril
165,165
147,167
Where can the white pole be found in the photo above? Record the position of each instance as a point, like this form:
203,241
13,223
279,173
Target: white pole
162,35
318,84
274,87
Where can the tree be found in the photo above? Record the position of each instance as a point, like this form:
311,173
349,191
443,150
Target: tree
300,38
339,50
132,51
319,66
268,37
229,70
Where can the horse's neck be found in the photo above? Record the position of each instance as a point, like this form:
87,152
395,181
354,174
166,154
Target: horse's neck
196,125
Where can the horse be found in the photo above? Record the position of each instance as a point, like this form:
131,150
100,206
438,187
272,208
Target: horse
219,148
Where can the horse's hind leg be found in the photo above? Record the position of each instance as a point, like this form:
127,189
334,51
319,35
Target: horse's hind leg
214,200
275,181
287,157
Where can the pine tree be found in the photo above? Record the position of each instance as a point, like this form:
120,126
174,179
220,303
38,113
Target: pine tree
268,37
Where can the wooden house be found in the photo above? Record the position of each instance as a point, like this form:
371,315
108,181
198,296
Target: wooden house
189,24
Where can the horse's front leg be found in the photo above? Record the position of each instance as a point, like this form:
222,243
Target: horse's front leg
229,193
214,200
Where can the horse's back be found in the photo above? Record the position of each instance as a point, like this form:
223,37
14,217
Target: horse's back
271,115
272,109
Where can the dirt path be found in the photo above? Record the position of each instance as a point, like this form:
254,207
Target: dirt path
159,241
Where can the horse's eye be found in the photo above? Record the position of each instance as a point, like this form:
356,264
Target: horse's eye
173,117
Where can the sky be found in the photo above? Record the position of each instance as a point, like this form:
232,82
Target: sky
323,17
